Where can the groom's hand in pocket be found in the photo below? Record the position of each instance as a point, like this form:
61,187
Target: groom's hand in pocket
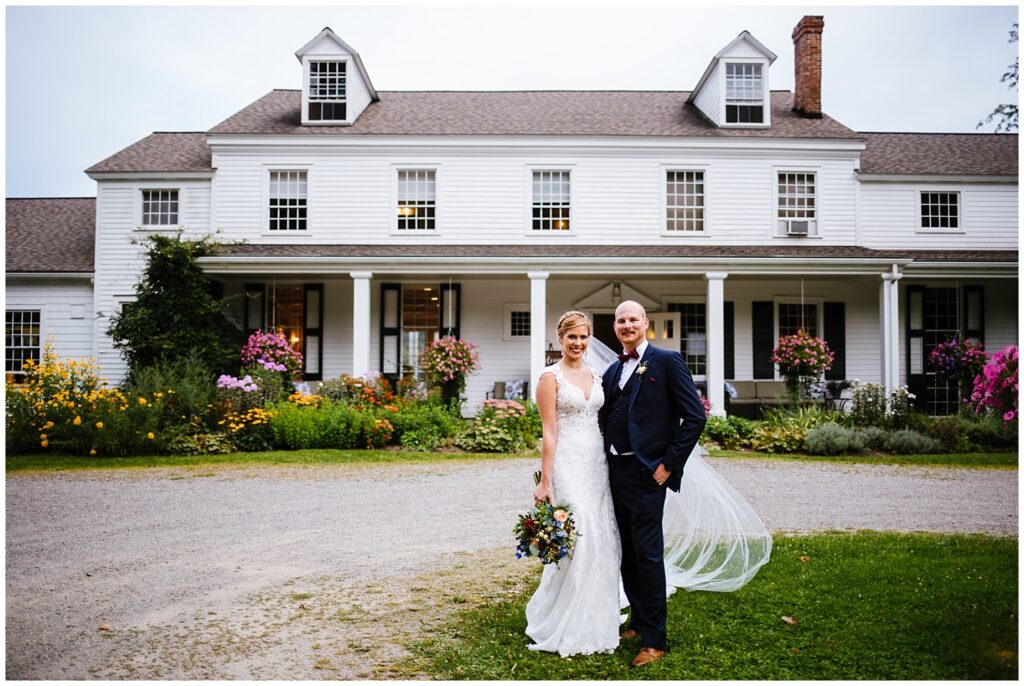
661,474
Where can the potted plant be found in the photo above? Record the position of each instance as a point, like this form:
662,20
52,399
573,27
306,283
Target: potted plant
447,362
802,359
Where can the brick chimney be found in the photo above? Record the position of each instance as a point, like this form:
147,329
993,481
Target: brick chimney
807,53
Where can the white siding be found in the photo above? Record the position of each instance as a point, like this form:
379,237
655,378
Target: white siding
65,311
485,198
119,252
709,99
891,217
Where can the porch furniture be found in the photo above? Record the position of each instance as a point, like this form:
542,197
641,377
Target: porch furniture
753,396
513,389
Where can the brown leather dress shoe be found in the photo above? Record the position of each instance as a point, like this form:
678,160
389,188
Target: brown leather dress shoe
628,634
648,655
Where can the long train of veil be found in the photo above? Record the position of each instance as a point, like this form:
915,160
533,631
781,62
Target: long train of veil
714,540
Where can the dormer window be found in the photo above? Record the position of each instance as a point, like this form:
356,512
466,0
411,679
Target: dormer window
744,93
327,91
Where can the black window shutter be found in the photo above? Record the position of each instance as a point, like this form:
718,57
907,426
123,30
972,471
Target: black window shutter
730,339
763,338
254,306
390,331
312,325
978,332
835,336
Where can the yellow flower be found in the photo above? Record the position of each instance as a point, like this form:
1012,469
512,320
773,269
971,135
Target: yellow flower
48,425
92,452
42,437
142,401
99,425
44,443
78,421
150,436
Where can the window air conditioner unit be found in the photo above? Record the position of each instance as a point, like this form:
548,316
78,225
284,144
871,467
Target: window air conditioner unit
797,228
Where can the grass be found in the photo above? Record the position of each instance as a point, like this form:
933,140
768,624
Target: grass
55,462
869,606
941,459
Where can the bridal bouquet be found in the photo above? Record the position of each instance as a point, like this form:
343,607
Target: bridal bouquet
547,532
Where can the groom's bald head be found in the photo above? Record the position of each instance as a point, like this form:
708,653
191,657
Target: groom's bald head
632,306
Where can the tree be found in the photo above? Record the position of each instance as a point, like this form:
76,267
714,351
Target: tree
1005,115
177,311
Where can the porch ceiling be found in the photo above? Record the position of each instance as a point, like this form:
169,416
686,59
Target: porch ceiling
596,259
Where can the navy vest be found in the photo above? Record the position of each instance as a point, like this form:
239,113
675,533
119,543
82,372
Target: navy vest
616,431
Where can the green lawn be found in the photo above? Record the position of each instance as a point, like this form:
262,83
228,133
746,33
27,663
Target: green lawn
949,459
50,462
869,606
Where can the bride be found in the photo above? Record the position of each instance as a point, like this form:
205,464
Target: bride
714,541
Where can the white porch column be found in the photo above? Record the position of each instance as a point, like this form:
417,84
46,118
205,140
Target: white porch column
360,322
538,325
894,327
716,341
884,348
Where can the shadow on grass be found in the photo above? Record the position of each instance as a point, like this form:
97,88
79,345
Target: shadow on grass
868,606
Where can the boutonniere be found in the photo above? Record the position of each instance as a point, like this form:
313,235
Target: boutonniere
641,369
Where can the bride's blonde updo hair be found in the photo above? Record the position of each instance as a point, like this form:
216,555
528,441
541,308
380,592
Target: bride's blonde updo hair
570,320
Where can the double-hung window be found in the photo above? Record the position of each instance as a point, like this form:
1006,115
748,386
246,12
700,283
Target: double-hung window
794,317
160,207
288,201
684,208
551,201
23,339
417,199
797,204
744,93
940,210
327,91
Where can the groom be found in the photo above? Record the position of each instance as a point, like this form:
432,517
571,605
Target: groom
652,418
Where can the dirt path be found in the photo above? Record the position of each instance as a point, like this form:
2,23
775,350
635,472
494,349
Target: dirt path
328,572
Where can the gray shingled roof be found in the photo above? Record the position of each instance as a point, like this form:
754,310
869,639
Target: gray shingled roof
987,154
161,152
51,234
525,113
584,251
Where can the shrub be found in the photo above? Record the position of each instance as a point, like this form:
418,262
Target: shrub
371,389
951,434
430,423
300,427
872,437
501,426
201,444
990,432
732,433
871,406
907,442
832,439
995,388
188,384
778,438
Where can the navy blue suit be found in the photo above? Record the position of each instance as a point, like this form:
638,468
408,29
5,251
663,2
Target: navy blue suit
658,417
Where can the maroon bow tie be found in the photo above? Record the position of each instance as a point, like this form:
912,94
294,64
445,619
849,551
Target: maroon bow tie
625,356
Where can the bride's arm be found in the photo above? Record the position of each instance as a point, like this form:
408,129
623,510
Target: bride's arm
547,388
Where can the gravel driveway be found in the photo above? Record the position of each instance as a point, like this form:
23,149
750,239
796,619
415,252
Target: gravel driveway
325,572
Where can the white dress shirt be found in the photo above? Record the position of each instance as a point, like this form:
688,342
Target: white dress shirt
630,365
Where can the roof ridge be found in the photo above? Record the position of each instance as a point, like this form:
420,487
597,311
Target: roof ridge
57,197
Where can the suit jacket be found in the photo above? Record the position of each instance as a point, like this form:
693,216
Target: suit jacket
666,416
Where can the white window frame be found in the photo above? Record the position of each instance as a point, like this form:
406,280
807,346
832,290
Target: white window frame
265,214
158,186
42,328
306,61
393,210
570,169
508,309
959,192
665,168
690,300
777,231
766,95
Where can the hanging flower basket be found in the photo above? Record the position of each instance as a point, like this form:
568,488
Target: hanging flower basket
802,359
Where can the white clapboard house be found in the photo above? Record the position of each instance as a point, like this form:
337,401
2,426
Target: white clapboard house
366,223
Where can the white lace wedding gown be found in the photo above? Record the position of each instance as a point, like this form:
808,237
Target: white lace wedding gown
575,610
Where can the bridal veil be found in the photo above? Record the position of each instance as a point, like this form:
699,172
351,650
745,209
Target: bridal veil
714,541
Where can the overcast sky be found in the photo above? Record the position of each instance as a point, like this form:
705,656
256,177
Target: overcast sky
85,82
